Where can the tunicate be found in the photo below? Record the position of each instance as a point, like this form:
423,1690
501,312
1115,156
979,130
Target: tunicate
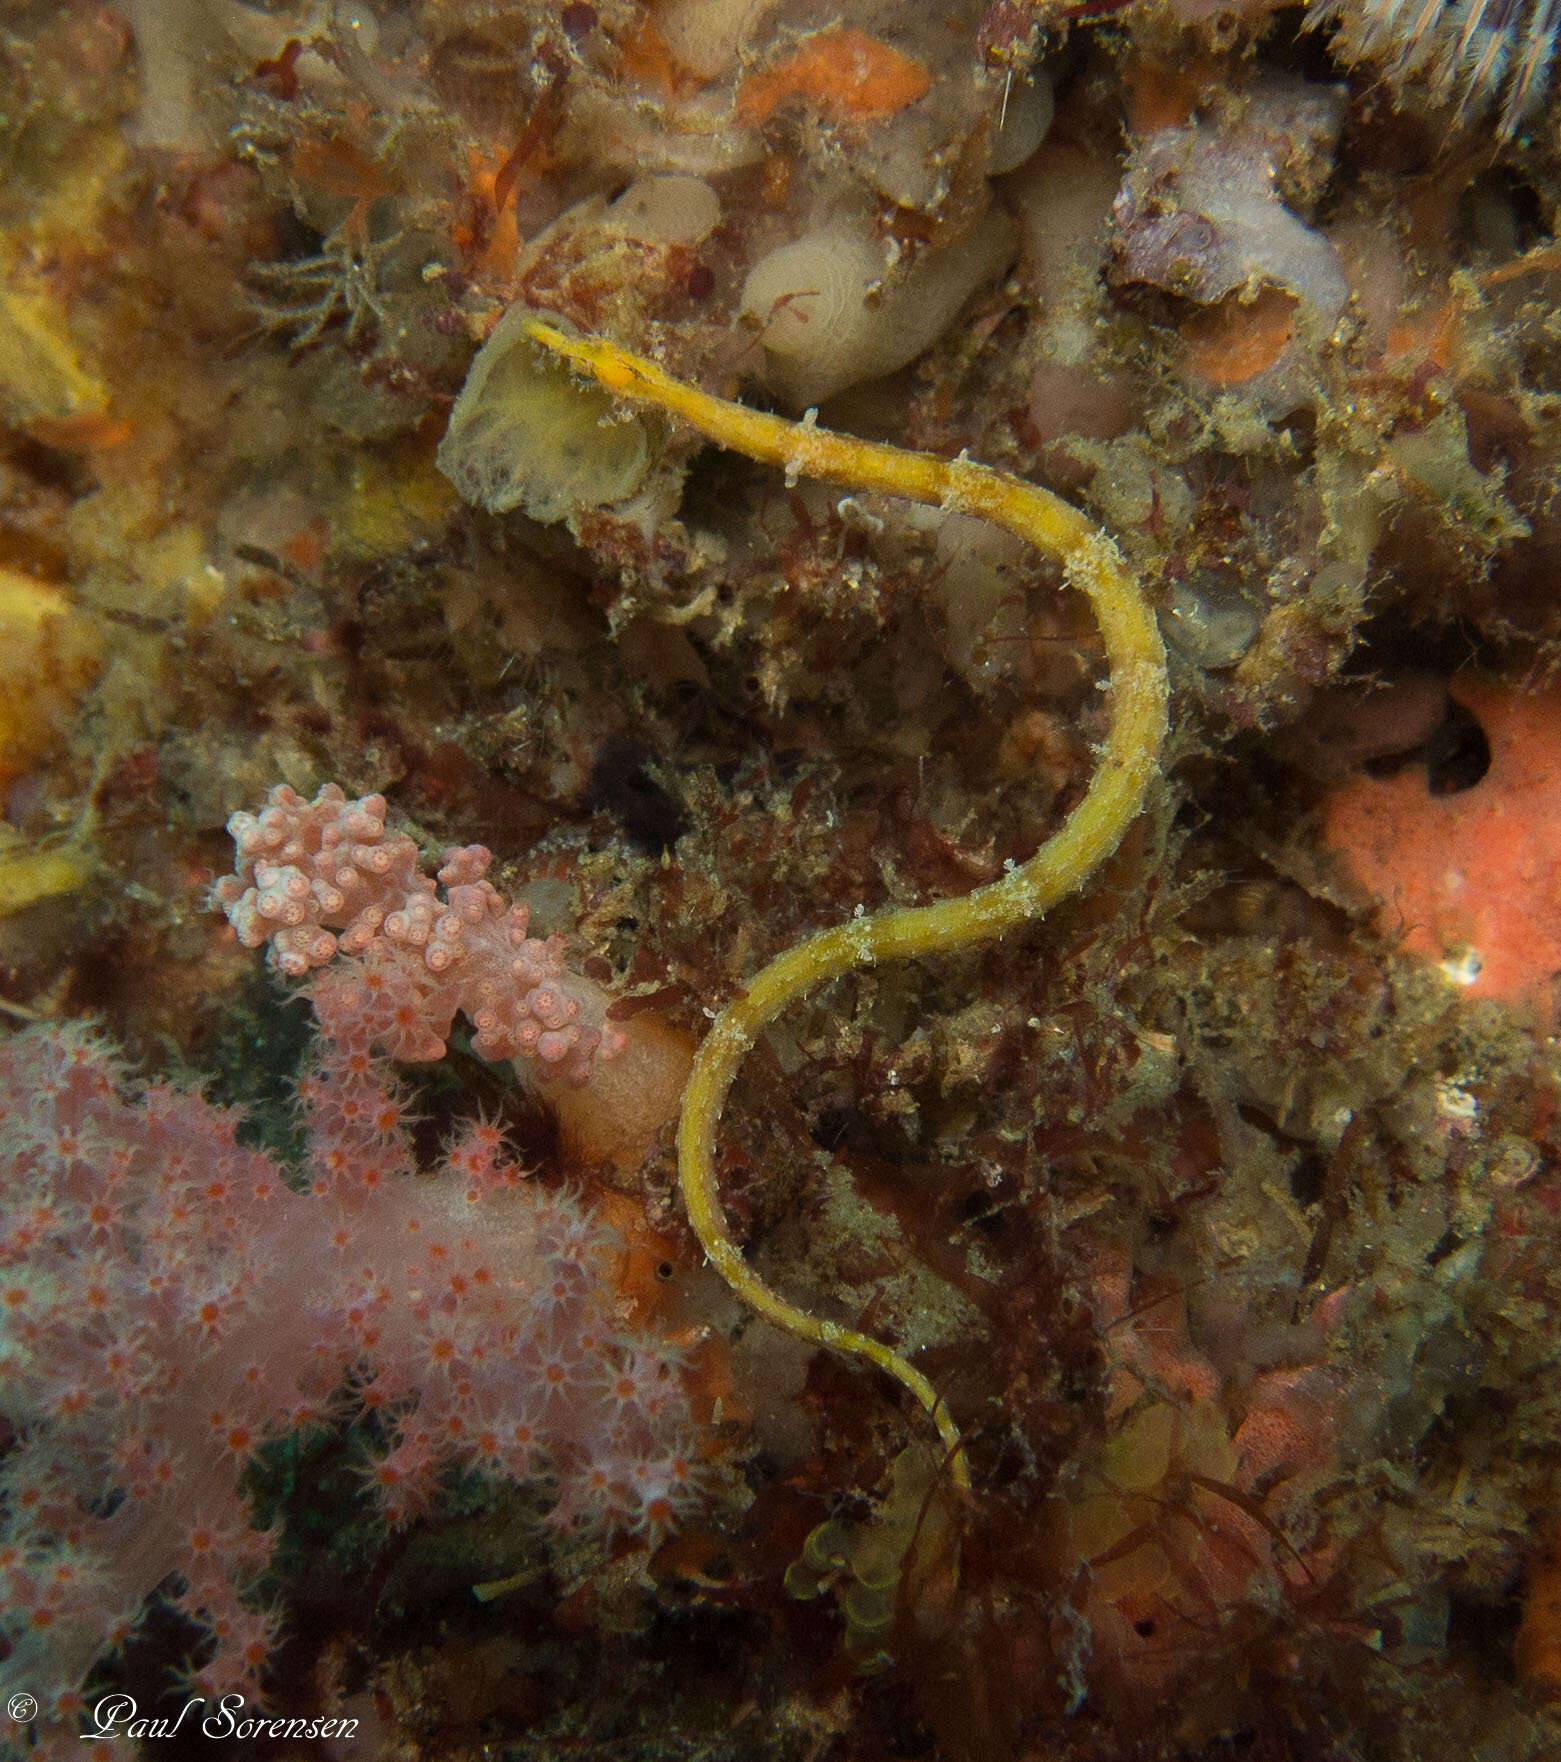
1028,107
832,312
669,210
706,36
1210,621
526,433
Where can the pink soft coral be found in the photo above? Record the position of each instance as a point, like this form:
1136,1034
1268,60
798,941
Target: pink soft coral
170,1302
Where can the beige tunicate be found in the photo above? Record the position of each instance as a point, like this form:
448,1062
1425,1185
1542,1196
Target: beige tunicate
1063,196
609,132
1026,118
669,210
526,433
706,36
978,583
179,48
1210,621
832,309
810,299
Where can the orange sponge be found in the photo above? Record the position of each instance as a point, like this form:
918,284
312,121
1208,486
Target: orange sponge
845,74
1472,879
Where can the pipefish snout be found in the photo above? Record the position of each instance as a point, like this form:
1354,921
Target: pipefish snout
1128,761
1477,54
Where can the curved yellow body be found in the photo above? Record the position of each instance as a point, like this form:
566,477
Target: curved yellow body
1127,762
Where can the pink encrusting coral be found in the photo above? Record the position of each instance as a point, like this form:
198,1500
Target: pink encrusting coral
322,879
170,1302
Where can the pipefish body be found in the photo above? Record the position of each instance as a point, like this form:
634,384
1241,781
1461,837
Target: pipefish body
1128,761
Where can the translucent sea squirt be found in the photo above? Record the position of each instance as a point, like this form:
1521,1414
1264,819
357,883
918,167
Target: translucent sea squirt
527,433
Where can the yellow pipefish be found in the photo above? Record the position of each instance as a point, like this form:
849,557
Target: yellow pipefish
1127,762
